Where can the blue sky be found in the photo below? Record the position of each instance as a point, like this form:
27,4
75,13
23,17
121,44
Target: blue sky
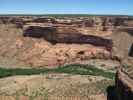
122,7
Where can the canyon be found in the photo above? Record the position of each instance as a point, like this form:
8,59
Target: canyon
49,42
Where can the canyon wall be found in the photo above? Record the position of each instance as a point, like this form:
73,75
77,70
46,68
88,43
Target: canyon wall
124,84
53,41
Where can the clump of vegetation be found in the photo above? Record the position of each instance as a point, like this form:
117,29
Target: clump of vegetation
71,69
41,92
81,90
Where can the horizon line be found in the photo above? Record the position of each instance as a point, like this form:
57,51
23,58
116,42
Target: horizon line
65,14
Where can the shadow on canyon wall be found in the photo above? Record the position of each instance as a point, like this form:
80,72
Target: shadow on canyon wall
54,36
131,51
111,93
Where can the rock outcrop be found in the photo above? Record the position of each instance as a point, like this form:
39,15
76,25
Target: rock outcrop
124,85
66,35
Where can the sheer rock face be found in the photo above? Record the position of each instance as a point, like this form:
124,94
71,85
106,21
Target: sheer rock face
66,35
124,85
41,52
62,54
41,41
